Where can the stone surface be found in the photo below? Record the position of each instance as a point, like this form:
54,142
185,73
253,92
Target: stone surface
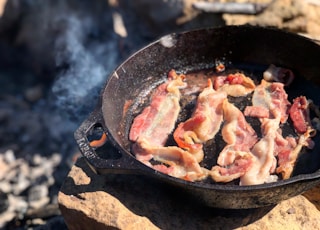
2,6
90,201
300,16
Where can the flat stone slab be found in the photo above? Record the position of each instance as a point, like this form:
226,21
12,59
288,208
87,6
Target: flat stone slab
90,201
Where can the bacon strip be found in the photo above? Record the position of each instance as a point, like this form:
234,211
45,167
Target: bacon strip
299,114
176,162
236,130
235,85
158,119
235,159
264,161
272,97
240,163
288,155
288,148
270,105
204,123
256,111
269,100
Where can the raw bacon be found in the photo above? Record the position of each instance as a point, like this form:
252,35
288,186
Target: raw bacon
236,130
264,161
287,156
285,151
289,152
176,162
158,119
235,159
270,105
269,100
235,85
273,98
204,123
240,163
256,111
299,114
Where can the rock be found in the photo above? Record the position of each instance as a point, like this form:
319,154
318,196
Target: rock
314,196
295,213
137,202
300,16
2,6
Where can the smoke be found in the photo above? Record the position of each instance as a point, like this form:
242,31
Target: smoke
85,60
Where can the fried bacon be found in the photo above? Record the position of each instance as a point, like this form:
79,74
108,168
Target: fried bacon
235,85
158,119
235,159
204,123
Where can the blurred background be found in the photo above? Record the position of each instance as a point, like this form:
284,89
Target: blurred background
56,55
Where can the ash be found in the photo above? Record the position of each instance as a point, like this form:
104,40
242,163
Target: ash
55,58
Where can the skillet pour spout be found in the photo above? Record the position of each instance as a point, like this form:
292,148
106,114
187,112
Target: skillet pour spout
248,48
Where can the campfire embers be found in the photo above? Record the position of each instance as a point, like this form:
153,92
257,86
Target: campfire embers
27,194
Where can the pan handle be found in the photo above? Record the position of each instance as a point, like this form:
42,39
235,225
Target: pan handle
123,164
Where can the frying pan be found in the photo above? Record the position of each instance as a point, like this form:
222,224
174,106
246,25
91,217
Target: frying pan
248,48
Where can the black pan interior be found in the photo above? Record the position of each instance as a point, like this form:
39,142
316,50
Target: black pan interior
248,49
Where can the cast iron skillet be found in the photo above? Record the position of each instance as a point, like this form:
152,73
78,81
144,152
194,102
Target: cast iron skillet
248,48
